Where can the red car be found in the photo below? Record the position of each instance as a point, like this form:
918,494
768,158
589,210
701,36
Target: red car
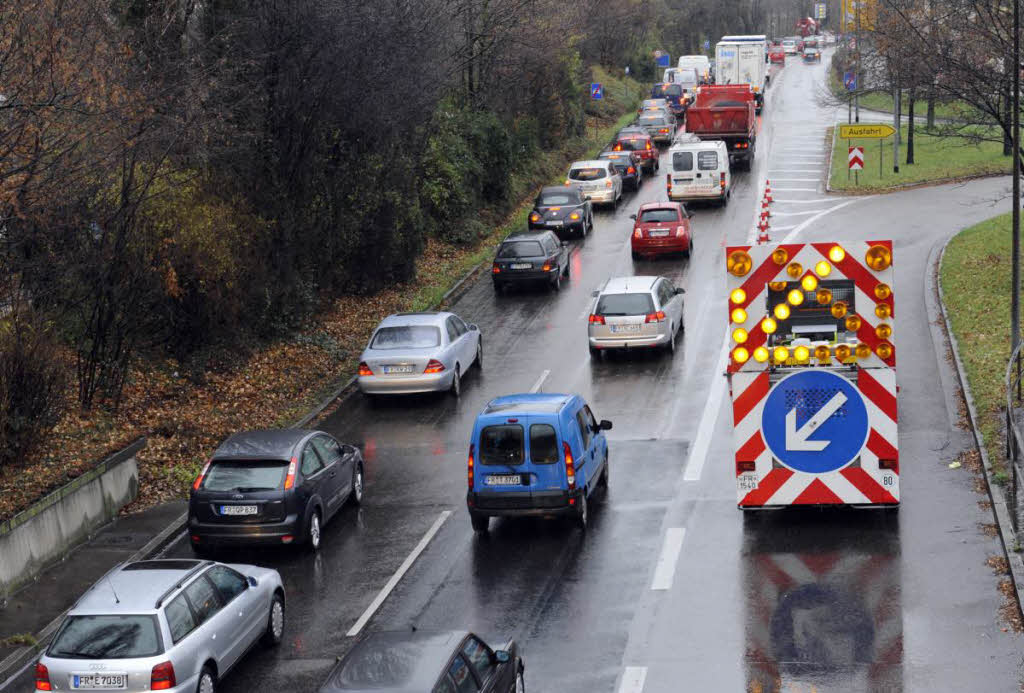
776,53
637,140
661,227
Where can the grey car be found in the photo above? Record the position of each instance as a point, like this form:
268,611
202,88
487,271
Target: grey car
659,125
173,625
635,313
420,352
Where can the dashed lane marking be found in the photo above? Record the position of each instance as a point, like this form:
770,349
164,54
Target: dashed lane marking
795,214
792,190
665,569
540,381
633,679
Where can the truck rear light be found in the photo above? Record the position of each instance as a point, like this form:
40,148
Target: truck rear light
668,183
742,467
469,467
162,677
287,539
570,469
42,677
289,479
655,317
892,465
199,479
595,319
433,366
364,369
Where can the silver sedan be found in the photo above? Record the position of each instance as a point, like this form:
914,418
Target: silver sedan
419,352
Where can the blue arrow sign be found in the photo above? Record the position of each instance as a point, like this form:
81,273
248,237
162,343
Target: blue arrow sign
850,80
815,422
707,44
596,90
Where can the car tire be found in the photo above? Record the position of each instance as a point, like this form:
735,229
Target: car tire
481,523
603,481
520,685
314,532
670,347
479,362
498,288
595,354
565,270
636,256
358,486
689,248
657,165
207,681
556,283
582,516
274,634
456,387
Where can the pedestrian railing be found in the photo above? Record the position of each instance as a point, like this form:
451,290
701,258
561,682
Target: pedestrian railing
1014,447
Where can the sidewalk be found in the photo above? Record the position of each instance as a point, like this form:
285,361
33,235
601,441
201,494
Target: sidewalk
33,608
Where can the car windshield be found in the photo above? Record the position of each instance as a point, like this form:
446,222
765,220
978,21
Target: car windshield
653,216
551,199
244,476
501,444
107,637
652,120
520,249
625,304
587,173
654,103
407,337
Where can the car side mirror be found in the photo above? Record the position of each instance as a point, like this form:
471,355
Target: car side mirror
595,293
680,290
632,216
473,327
605,425
251,581
502,656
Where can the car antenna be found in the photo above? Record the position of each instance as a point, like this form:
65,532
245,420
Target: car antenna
116,599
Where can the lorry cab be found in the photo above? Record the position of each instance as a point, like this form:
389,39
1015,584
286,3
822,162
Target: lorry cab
699,170
535,455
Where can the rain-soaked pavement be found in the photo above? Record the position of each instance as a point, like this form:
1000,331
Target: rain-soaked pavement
836,601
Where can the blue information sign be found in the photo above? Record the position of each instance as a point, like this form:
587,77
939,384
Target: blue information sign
662,59
596,90
850,80
815,422
707,44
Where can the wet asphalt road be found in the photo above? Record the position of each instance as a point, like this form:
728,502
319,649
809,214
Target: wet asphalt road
838,601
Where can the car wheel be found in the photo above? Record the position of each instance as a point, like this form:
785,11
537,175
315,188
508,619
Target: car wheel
313,532
671,346
603,481
582,512
689,248
556,283
480,523
357,485
636,256
595,354
456,388
201,551
657,165
590,225
520,686
207,681
275,623
479,354
565,270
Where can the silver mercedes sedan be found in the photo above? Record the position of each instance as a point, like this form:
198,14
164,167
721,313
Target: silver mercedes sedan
419,352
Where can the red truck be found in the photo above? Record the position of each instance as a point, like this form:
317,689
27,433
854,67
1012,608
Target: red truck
726,112
806,26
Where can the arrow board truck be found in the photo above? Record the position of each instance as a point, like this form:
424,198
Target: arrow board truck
812,374
743,60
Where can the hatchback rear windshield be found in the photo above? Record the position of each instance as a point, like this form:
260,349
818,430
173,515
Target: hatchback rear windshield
501,444
407,337
625,304
520,249
650,216
652,120
682,161
587,173
107,637
245,476
633,144
556,199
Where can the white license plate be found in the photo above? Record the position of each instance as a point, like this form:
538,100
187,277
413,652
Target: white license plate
659,233
238,510
503,480
393,370
99,681
521,265
554,223
619,329
747,481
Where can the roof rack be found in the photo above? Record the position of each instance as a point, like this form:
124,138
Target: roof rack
182,581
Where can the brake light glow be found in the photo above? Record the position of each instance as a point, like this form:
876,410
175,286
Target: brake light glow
162,677
433,366
655,317
546,267
596,319
364,369
199,479
534,217
721,180
664,131
631,170
495,269
570,468
289,479
647,145
42,677
469,468
575,216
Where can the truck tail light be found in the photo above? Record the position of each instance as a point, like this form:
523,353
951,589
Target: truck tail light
570,468
595,319
42,677
162,677
289,479
469,467
655,317
893,465
744,467
433,366
199,479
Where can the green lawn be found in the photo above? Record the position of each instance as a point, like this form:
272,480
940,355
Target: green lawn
935,159
882,101
975,278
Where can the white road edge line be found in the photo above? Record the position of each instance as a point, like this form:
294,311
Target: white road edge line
633,679
540,381
665,569
793,190
708,418
399,574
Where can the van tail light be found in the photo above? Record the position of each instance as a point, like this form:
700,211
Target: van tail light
637,233
289,479
570,468
596,319
608,183
744,467
433,366
631,170
162,677
199,479
680,231
364,369
655,317
893,465
469,467
721,180
668,183
42,677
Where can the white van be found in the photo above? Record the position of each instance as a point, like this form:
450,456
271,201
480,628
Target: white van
698,170
701,63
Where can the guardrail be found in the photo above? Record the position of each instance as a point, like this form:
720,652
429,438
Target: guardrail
1014,447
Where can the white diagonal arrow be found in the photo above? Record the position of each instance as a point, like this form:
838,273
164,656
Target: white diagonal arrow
797,440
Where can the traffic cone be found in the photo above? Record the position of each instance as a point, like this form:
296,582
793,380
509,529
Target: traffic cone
768,195
765,212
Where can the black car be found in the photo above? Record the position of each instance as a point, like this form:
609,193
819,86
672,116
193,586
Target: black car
562,209
530,257
628,164
426,662
272,487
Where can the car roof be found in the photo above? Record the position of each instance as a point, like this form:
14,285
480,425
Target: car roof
623,285
395,661
632,132
559,189
275,443
135,587
659,205
589,163
527,403
429,317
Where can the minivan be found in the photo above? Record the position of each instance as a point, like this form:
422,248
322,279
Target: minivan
699,170
535,455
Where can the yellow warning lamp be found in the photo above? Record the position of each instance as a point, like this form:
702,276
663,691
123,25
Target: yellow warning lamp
768,326
839,309
780,256
795,296
795,269
852,323
781,354
777,286
863,351
836,254
801,354
883,311
878,257
782,311
822,353
882,291
739,315
739,263
738,296
824,297
809,282
822,269
884,350
739,335
883,331
842,352
740,355
760,354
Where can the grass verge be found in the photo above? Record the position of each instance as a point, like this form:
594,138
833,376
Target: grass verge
882,101
936,158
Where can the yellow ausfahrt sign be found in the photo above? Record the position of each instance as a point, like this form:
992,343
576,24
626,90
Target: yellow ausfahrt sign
872,131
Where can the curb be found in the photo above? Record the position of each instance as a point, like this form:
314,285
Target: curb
1000,510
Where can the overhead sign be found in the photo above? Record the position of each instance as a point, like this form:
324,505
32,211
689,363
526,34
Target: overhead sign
596,90
850,81
856,158
814,422
870,131
819,10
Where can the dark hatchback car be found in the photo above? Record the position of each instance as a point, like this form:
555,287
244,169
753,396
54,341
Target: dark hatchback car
530,257
629,165
427,662
272,488
562,209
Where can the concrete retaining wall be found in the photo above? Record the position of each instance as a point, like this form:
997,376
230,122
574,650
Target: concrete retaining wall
48,530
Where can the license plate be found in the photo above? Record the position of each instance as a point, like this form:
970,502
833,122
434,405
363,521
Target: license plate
238,510
659,233
99,681
393,370
554,223
521,265
619,329
503,480
747,481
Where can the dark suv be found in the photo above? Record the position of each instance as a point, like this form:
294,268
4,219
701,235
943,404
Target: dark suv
272,487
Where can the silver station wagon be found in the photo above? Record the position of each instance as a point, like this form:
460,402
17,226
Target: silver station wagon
170,625
635,313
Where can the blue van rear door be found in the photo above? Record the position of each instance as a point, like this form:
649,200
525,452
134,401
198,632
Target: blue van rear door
544,459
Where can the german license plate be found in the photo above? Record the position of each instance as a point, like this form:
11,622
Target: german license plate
394,370
659,233
99,681
503,480
619,329
747,481
238,510
554,223
521,265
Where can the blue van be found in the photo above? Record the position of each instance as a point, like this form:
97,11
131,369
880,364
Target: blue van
535,454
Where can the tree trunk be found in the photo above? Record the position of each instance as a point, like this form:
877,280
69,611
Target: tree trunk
1007,115
931,106
910,125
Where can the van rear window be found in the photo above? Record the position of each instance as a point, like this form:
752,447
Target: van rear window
501,444
682,161
707,161
543,444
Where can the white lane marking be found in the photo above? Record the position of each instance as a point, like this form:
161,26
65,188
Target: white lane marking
795,169
793,234
633,679
709,417
793,190
815,201
794,214
665,569
797,180
540,381
402,570
773,228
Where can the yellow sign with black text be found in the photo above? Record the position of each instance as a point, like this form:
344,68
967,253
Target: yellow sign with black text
873,131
